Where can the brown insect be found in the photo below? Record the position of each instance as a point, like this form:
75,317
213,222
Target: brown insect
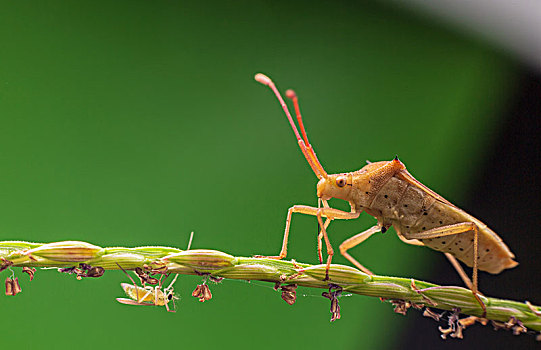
387,191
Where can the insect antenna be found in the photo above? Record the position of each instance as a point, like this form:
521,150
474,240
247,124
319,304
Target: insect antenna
293,97
304,145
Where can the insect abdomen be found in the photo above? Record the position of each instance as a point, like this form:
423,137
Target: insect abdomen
494,256
413,210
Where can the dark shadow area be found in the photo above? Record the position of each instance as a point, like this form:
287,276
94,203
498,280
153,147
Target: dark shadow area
506,196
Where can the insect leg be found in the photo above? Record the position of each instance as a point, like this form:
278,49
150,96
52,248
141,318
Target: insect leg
410,241
324,228
304,209
330,251
170,286
354,241
342,215
451,258
455,229
319,238
134,285
460,270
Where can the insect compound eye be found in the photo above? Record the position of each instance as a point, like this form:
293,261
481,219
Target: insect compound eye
341,181
169,296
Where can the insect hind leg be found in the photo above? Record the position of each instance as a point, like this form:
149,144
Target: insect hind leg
455,229
467,281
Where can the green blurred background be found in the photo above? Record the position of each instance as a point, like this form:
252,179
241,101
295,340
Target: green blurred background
137,122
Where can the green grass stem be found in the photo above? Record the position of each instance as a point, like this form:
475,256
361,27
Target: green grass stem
222,265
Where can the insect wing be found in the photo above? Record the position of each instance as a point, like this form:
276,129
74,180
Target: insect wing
132,302
138,294
405,175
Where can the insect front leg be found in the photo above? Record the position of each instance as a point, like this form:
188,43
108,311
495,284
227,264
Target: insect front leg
324,230
326,212
319,240
455,229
